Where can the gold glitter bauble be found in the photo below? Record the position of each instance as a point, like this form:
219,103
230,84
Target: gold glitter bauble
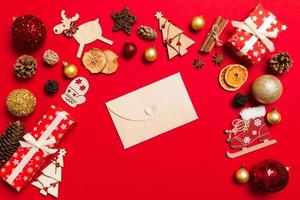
242,175
150,54
20,102
70,70
267,89
274,117
198,23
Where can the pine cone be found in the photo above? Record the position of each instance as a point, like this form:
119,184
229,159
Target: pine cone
281,62
25,66
147,32
9,141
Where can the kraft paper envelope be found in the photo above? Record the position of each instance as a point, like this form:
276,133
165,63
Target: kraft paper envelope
151,110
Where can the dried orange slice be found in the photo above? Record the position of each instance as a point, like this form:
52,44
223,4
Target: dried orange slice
236,75
222,81
94,60
111,62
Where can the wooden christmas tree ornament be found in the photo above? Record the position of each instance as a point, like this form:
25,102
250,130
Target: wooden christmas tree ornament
48,181
173,37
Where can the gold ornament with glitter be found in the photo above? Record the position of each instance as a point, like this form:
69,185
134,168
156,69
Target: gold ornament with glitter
267,89
20,102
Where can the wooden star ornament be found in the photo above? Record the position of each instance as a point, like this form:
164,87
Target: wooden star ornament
123,20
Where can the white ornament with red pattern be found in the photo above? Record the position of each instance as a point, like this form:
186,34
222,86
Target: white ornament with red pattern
75,92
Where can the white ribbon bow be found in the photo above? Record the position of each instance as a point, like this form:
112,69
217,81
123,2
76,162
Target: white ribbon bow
239,125
30,142
249,26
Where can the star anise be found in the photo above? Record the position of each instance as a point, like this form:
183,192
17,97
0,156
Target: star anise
217,59
198,63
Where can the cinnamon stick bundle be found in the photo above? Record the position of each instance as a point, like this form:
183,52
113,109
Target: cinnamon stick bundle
213,36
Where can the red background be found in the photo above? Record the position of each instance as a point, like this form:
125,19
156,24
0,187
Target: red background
186,163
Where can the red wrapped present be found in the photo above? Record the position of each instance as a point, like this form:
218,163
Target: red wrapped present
37,145
254,36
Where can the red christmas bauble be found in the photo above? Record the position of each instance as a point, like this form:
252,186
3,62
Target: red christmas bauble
28,33
270,176
129,50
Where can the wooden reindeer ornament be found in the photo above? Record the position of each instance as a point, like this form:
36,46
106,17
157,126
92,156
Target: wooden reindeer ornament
84,34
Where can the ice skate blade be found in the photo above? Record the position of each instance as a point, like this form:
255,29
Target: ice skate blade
251,149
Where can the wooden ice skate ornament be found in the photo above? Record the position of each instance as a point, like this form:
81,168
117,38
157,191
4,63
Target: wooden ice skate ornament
84,34
50,178
173,37
249,133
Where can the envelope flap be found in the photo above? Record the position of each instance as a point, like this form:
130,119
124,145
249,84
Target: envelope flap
151,100
134,109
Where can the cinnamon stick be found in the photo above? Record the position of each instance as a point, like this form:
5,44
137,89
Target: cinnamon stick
207,38
221,27
213,35
211,40
216,30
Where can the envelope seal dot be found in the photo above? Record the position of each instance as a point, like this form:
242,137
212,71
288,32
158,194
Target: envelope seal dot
151,110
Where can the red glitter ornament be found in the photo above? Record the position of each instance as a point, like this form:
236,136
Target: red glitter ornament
28,33
270,176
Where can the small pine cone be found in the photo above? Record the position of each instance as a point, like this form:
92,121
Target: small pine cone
9,141
280,62
147,32
25,66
